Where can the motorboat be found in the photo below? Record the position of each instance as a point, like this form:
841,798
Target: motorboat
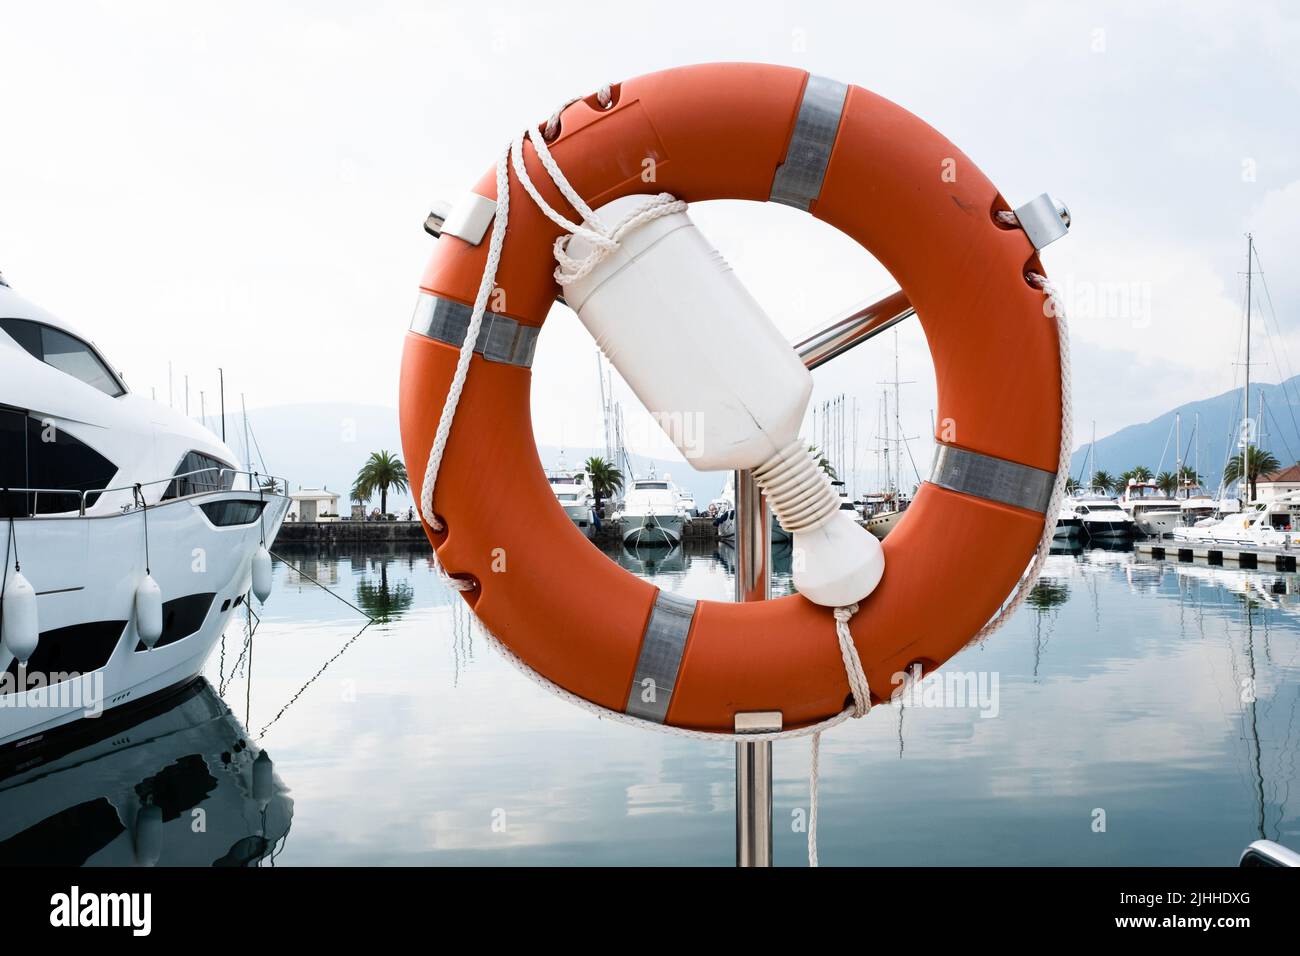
131,536
652,513
1202,508
128,788
1267,524
1068,524
1101,516
573,492
1155,513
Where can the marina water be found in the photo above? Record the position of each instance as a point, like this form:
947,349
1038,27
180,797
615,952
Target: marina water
1133,712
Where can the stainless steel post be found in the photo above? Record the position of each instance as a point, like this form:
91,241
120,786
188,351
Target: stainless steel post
753,581
753,760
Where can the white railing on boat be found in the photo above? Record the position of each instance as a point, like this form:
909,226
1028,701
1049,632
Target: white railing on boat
263,484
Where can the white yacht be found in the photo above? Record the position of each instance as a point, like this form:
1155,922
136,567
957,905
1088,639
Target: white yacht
125,790
1268,524
130,536
573,492
1154,513
1068,524
652,513
1201,508
1100,516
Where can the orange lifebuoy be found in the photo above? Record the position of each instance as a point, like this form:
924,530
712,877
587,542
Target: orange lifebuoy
872,170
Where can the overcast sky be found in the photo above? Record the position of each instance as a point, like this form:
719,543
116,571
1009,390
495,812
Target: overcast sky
243,184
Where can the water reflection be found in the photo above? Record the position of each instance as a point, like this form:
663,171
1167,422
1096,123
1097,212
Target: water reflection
380,599
174,784
1164,694
1121,687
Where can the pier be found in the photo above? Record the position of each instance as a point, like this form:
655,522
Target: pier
411,533
1213,553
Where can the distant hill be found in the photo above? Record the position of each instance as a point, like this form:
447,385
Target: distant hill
323,444
1145,443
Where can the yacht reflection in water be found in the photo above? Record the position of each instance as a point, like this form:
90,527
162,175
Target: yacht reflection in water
174,782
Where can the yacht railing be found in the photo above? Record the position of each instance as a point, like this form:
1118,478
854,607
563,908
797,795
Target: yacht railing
264,484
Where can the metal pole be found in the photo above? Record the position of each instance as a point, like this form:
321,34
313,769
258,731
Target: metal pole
753,761
753,581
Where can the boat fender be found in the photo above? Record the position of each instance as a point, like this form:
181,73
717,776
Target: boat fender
663,284
21,627
148,611
262,573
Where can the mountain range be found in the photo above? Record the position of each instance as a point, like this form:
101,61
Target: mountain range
323,444
1207,448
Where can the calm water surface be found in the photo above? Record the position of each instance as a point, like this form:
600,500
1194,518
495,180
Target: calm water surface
1163,695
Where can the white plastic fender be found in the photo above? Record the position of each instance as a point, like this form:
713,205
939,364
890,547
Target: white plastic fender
736,405
262,573
148,611
147,838
21,628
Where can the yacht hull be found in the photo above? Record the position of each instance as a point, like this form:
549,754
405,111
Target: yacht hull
883,523
642,530
1068,528
85,571
1158,524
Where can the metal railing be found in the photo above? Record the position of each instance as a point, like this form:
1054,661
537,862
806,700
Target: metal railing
264,484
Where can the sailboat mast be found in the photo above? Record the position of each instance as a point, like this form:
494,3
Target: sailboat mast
898,422
1178,452
1245,451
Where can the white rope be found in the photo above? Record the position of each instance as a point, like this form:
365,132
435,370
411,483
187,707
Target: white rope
603,242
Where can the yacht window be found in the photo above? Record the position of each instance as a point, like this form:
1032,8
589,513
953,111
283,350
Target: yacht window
198,473
231,512
652,485
67,353
39,454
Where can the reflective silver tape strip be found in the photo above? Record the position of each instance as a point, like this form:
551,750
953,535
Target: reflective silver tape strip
798,179
996,479
661,656
500,339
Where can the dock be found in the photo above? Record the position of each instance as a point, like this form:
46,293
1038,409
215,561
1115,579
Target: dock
1214,553
410,534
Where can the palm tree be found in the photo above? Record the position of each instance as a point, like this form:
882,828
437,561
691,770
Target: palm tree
606,480
823,462
1141,473
1167,482
1103,481
1259,462
1072,485
270,486
1122,481
1187,477
381,472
